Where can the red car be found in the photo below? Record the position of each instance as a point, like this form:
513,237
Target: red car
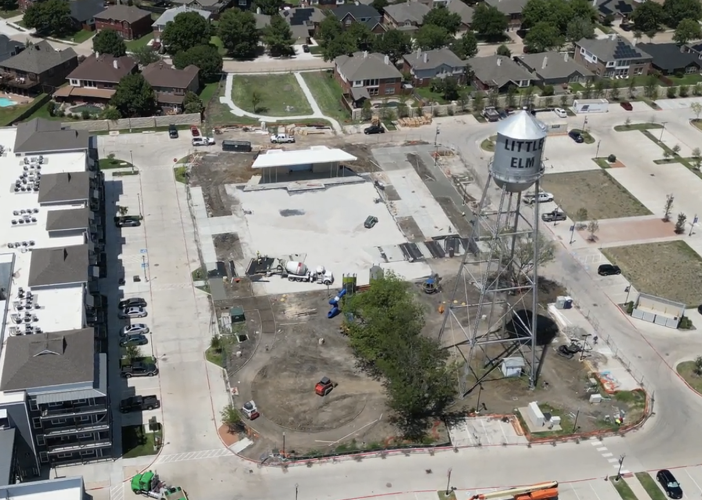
195,131
626,105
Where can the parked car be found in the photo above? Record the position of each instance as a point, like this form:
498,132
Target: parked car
374,129
195,131
139,403
127,221
132,302
669,484
699,309
132,312
370,222
282,139
626,105
553,216
134,329
576,136
503,113
608,270
305,48
543,197
560,113
203,141
172,132
139,369
138,339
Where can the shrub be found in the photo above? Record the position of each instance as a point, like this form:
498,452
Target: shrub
85,114
671,92
611,158
685,323
547,90
630,307
61,113
684,91
51,108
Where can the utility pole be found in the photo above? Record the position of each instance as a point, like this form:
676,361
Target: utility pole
139,203
295,491
575,424
627,290
284,455
692,226
448,483
621,462
597,153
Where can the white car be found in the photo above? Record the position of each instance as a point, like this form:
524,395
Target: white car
560,112
203,141
133,312
543,197
136,328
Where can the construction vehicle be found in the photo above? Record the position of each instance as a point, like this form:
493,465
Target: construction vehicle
431,284
250,410
323,387
541,491
298,271
148,484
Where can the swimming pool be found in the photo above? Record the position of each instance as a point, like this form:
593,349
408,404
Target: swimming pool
6,103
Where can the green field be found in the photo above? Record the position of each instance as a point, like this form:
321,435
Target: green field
327,92
280,95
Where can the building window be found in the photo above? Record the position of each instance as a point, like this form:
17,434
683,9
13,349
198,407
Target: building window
36,422
33,405
358,83
40,440
85,435
89,83
371,83
75,82
389,90
638,71
64,455
610,64
81,401
242,3
582,51
54,405
43,457
87,452
373,91
84,418
690,69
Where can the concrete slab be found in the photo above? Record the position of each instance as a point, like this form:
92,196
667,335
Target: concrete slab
484,431
691,480
681,103
565,155
602,490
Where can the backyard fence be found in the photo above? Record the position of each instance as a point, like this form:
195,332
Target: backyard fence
136,123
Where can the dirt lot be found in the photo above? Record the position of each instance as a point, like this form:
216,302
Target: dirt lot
671,270
594,190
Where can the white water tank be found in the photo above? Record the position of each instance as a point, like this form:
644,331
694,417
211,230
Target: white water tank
519,147
296,268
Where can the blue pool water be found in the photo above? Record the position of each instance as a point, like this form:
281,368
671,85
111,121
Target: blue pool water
6,103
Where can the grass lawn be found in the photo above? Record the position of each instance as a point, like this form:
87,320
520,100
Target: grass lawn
110,163
215,40
208,91
426,93
602,162
327,92
650,486
180,174
315,49
280,95
604,29
10,113
686,370
637,126
7,14
141,42
136,442
82,36
670,270
489,143
214,356
622,488
686,80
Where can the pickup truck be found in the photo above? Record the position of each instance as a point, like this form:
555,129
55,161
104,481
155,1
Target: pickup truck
491,114
282,139
553,216
139,403
139,369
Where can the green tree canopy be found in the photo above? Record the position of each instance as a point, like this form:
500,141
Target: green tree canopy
430,37
8,5
238,33
278,37
466,46
378,5
49,18
187,30
108,41
269,7
542,37
678,10
579,28
364,37
134,97
488,22
343,44
583,9
145,55
557,13
205,57
687,30
444,18
329,29
395,44
192,104
503,50
648,17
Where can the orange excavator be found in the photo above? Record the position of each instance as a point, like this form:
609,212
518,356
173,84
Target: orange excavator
541,491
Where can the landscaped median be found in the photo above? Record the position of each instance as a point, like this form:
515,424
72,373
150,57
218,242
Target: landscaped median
691,372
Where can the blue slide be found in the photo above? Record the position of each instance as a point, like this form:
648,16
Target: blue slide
335,304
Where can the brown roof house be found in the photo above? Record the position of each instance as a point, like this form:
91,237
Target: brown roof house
406,16
171,84
39,68
498,73
130,22
214,6
512,9
426,65
96,79
364,75
357,13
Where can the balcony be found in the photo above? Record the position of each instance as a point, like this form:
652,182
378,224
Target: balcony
21,82
79,446
77,410
77,429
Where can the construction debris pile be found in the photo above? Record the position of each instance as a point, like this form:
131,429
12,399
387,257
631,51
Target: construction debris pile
417,121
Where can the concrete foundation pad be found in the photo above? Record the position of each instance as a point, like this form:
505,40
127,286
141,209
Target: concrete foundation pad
484,431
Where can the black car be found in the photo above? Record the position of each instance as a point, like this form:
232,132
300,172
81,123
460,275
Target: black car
132,302
503,113
127,221
608,270
576,136
699,309
670,485
305,48
370,222
374,129
172,132
134,339
139,403
139,369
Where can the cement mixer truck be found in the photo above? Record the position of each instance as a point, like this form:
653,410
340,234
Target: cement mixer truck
298,271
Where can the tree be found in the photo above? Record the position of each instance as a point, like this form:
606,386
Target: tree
466,46
583,9
680,223
676,150
132,353
521,263
676,11
231,418
488,22
580,217
668,207
108,41
49,18
696,158
503,50
278,37
542,37
430,37
367,109
145,55
579,28
614,90
238,33
687,30
110,113
599,89
512,92
447,87
492,97
256,99
269,7
632,85
380,5
478,102
592,227
8,5
648,17
443,18
587,90
651,86
192,103
187,30
134,97
556,13
696,108
329,29
394,44
698,366
205,57
343,44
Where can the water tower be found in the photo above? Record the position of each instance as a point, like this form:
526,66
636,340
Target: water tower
492,311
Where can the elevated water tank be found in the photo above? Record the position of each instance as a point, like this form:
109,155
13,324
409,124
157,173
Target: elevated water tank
519,147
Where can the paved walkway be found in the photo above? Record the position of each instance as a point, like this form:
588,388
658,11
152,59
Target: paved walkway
316,111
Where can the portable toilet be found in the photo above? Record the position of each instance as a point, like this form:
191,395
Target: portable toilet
376,273
236,313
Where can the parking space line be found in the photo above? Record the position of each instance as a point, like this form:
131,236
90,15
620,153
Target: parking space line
606,455
612,460
593,490
602,448
692,479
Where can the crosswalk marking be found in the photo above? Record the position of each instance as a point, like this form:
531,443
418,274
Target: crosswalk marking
194,455
117,492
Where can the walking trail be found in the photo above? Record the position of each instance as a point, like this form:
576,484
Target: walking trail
316,112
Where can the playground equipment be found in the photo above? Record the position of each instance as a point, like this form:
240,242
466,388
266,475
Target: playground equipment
334,302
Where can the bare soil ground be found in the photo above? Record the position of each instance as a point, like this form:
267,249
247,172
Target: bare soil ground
671,270
213,171
595,191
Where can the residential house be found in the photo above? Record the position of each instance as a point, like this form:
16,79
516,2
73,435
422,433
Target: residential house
465,12
216,7
406,16
616,9
612,57
171,84
498,73
512,9
160,24
130,22
364,14
95,79
555,68
671,59
38,68
424,66
304,22
363,75
324,4
83,13
9,47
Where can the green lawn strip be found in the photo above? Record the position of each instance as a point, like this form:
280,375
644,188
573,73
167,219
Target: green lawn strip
637,126
136,442
686,370
327,92
602,162
7,14
428,94
140,42
181,174
217,42
82,36
673,154
280,95
110,163
650,486
214,356
489,143
623,489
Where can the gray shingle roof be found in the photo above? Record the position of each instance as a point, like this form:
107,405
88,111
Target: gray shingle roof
9,48
71,218
359,13
49,359
170,15
412,12
39,58
550,65
66,187
85,10
59,266
432,59
495,70
44,136
669,56
123,13
612,49
508,7
364,66
463,10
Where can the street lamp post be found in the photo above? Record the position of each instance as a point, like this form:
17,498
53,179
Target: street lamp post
284,445
139,204
143,264
575,424
627,290
597,153
295,491
621,462
692,226
584,124
480,392
662,130
448,482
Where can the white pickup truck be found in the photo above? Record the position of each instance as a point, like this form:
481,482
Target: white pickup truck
282,139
